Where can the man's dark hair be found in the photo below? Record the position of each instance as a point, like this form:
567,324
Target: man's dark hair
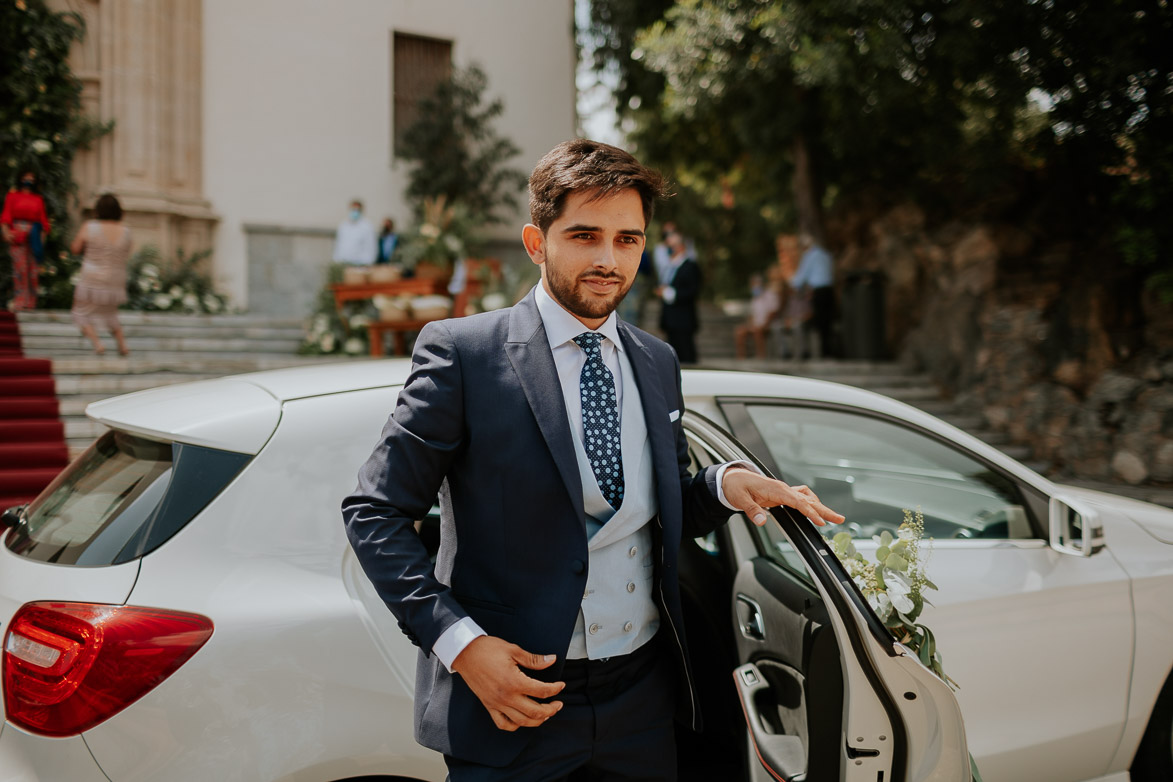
108,208
585,165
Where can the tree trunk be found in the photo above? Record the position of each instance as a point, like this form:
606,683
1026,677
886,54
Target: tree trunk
807,194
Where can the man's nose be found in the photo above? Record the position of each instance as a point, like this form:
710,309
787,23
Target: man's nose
607,257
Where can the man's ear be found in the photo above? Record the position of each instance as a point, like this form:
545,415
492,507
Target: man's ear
535,243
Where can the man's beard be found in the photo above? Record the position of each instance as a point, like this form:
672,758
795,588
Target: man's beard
566,292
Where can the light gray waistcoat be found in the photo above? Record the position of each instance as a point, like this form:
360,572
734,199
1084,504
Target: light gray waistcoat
618,614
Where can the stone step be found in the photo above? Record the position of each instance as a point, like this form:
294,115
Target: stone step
130,319
65,345
107,385
208,331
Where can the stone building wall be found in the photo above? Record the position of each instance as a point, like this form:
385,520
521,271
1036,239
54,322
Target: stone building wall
1077,365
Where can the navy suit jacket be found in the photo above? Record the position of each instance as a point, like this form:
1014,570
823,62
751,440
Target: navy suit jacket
681,314
482,424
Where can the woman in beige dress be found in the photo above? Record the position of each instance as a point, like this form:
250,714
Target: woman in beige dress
101,287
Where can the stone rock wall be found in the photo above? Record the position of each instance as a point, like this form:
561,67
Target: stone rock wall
1078,365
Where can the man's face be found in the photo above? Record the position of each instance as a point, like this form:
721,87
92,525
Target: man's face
590,255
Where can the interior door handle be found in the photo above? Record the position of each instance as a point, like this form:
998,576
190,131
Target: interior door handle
749,619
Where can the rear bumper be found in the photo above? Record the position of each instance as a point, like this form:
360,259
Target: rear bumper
28,758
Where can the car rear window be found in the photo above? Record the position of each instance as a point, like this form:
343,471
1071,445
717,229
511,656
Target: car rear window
122,498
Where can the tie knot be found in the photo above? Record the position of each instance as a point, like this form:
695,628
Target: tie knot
589,341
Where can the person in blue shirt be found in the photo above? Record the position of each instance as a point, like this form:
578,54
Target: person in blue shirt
814,279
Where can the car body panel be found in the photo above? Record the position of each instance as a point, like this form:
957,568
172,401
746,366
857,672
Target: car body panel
28,758
320,696
225,413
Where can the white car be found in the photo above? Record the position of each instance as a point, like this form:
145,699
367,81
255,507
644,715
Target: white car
182,604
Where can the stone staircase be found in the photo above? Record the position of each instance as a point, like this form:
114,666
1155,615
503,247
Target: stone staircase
164,349
715,345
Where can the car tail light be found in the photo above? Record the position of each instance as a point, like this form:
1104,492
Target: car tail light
69,666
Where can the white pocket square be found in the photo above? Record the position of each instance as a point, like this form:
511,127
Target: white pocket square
674,415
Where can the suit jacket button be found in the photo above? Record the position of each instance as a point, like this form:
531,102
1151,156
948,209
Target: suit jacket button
577,566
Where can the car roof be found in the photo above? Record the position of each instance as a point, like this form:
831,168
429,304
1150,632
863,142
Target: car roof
239,413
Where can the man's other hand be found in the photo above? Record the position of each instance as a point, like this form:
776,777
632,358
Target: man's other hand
492,668
752,493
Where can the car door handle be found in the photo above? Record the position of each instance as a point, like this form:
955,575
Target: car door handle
749,619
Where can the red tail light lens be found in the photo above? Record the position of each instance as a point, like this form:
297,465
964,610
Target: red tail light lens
69,666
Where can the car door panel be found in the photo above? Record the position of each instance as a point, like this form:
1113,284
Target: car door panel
1017,622
826,693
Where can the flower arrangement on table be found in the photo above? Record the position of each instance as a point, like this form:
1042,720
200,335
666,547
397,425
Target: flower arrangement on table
895,585
443,236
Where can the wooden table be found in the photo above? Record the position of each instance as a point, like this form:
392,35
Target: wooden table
411,286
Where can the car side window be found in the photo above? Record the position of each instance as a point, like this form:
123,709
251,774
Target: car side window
870,469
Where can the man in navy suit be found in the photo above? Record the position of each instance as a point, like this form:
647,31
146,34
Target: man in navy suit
552,643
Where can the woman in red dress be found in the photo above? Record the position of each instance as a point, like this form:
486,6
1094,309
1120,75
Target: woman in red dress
23,208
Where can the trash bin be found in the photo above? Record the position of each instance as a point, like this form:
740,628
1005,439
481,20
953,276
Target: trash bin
864,316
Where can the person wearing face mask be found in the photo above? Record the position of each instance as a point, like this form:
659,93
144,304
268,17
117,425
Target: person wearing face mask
355,241
24,224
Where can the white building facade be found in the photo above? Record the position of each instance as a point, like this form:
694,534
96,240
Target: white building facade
247,126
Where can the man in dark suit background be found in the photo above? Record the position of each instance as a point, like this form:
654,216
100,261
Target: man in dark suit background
680,286
552,644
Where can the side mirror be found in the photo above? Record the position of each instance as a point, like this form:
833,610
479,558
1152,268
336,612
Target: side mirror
12,517
1075,528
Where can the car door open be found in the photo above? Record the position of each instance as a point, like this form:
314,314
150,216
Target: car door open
826,692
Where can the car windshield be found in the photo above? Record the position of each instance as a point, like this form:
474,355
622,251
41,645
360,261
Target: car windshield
122,498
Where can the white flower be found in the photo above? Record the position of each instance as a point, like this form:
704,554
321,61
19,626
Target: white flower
191,301
493,301
41,146
211,302
73,279
881,605
353,346
359,321
148,270
162,301
899,592
326,343
322,322
453,244
430,231
176,292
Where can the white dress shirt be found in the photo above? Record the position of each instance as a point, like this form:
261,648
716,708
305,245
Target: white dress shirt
356,242
561,328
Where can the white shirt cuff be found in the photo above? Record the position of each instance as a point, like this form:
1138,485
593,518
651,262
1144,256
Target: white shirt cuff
669,294
721,480
453,640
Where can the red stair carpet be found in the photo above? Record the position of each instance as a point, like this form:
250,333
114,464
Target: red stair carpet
32,437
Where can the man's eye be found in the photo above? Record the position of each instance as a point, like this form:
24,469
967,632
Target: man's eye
583,236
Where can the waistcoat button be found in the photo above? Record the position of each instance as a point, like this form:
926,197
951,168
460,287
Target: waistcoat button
630,586
633,552
593,629
577,566
627,627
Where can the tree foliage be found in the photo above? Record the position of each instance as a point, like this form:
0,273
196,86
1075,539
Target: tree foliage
41,122
457,152
1058,112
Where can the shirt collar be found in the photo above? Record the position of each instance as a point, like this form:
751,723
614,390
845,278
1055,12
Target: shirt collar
561,326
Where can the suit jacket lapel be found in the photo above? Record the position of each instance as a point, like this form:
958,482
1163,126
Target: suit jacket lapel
528,350
660,436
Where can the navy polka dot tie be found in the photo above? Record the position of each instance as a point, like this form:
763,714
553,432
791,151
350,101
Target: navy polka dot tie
600,419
